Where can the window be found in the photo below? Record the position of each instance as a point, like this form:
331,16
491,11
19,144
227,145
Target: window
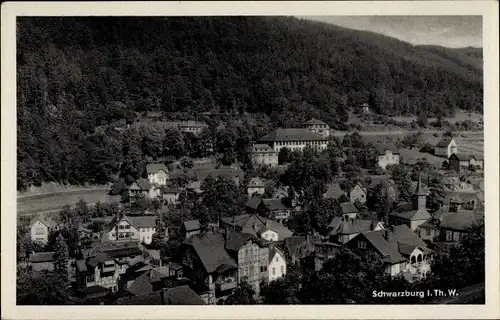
361,244
448,235
456,236
90,278
282,269
246,271
428,232
274,271
277,259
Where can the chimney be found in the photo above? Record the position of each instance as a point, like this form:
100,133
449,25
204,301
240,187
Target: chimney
386,234
372,226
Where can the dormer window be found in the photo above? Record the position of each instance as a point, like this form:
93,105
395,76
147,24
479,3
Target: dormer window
361,244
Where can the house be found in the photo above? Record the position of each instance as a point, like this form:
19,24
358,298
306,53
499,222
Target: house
414,214
277,264
40,228
206,261
194,187
294,139
281,193
256,186
323,251
181,295
102,266
401,250
190,228
264,155
343,229
297,248
194,127
143,188
349,210
257,226
365,108
170,195
318,127
477,183
41,261
384,155
252,257
445,147
460,161
462,200
455,225
139,229
157,174
358,193
277,209
334,191
142,278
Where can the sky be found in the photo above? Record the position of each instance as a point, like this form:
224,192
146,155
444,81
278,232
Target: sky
446,31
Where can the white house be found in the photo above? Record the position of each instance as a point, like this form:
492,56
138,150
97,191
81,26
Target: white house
294,139
387,154
157,174
263,154
256,185
40,228
277,264
445,147
139,229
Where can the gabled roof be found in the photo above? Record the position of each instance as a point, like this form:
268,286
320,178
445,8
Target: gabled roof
235,240
460,197
182,295
253,202
382,147
420,214
420,190
333,191
444,142
155,167
144,283
144,221
350,226
281,192
261,147
274,204
47,221
348,207
39,257
210,248
314,121
273,251
292,243
462,220
292,135
192,225
143,184
462,157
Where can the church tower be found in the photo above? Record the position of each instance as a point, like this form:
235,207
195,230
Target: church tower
419,200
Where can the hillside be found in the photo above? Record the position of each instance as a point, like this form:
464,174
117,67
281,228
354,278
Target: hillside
75,74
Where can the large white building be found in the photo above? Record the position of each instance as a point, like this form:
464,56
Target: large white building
264,155
277,264
139,229
445,147
294,139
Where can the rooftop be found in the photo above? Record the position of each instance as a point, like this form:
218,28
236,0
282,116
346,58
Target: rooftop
292,135
155,167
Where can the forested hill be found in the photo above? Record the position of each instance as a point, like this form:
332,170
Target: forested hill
75,74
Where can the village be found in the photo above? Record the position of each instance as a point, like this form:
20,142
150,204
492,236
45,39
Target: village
192,231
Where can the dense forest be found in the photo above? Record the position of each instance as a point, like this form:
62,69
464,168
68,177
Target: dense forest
77,74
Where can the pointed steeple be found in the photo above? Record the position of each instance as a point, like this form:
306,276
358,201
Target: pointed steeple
419,196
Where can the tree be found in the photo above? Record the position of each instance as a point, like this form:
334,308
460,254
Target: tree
173,143
284,155
221,197
401,177
160,235
350,277
321,212
50,288
242,295
422,120
280,291
61,257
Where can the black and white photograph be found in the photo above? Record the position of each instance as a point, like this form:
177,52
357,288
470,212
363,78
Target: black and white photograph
250,160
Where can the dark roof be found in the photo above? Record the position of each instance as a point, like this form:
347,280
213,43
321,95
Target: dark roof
210,248
401,237
144,283
235,240
254,202
420,189
460,197
81,266
272,252
170,190
39,257
292,243
93,290
256,182
192,225
420,214
382,147
462,157
444,142
292,135
143,184
123,252
462,220
182,295
314,121
348,207
334,191
350,226
376,180
274,204
155,167
144,221
261,147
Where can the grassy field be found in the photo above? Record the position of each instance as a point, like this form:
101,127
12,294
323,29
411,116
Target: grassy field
459,116
414,154
53,202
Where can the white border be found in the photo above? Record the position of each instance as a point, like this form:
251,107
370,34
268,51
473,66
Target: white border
489,11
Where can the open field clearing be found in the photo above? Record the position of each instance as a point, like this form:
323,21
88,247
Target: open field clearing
414,154
53,202
459,116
